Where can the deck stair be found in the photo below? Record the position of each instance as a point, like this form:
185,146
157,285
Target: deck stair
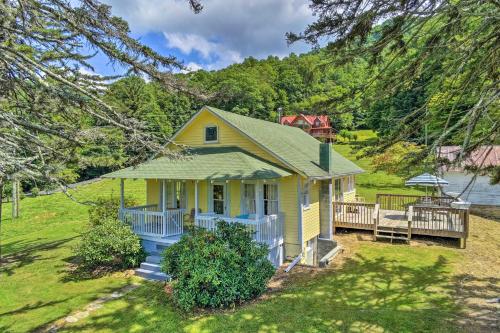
392,233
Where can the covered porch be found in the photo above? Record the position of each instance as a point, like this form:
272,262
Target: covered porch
224,183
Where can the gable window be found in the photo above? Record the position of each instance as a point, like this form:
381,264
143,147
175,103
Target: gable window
249,206
211,134
306,197
270,199
317,123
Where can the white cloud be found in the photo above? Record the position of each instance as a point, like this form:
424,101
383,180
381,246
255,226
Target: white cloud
188,43
191,67
225,31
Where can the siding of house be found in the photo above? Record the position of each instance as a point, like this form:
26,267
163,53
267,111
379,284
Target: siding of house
193,135
310,215
289,206
153,191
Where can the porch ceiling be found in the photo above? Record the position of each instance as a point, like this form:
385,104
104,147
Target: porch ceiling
214,163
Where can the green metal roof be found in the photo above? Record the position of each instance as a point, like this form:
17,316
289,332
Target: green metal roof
215,163
291,145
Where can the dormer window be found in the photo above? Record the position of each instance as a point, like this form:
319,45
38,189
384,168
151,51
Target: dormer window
211,134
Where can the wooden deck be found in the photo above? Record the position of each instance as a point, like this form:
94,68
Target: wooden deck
404,215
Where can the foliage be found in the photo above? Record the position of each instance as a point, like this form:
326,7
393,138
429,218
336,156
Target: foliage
398,160
350,136
433,67
217,269
35,191
51,102
109,244
107,209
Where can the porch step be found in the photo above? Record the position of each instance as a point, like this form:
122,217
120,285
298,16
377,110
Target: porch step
151,267
153,259
151,275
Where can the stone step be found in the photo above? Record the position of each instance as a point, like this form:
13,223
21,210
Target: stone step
151,267
153,259
151,275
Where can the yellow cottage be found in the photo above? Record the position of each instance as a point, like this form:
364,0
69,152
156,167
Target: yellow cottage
277,180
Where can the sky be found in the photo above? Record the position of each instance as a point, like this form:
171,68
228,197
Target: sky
225,32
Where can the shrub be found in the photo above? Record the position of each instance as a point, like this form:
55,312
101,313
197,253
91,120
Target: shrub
217,269
35,191
109,244
107,209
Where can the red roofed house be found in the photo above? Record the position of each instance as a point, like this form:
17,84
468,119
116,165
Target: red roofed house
480,191
317,126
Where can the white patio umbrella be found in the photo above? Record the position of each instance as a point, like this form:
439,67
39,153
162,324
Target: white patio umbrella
427,180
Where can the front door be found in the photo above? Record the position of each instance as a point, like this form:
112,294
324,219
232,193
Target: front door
219,198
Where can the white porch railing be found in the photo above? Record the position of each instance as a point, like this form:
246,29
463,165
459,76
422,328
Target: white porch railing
149,221
267,229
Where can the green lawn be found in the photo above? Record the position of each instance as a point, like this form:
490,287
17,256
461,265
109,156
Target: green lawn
370,183
381,288
36,248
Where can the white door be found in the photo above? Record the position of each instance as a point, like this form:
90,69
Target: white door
219,198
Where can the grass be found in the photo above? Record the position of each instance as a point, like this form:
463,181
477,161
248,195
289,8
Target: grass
376,287
36,287
379,289
370,183
430,286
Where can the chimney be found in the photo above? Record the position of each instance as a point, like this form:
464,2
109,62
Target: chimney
279,115
325,156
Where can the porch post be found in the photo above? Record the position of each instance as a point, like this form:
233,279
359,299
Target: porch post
164,196
195,199
164,207
258,200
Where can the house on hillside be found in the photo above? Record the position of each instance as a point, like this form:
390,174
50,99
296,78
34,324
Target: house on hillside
318,127
459,176
277,180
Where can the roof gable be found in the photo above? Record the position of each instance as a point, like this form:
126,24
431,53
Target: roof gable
296,149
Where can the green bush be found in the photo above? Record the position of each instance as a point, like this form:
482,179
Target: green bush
35,191
107,209
109,244
217,269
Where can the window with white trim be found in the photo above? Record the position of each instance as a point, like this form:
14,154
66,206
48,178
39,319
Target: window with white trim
270,199
249,206
211,134
306,196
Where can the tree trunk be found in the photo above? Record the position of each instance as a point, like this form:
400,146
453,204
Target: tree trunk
15,197
1,202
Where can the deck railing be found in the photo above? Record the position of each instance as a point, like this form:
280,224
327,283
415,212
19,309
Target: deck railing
443,221
267,229
149,221
402,202
431,220
354,215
